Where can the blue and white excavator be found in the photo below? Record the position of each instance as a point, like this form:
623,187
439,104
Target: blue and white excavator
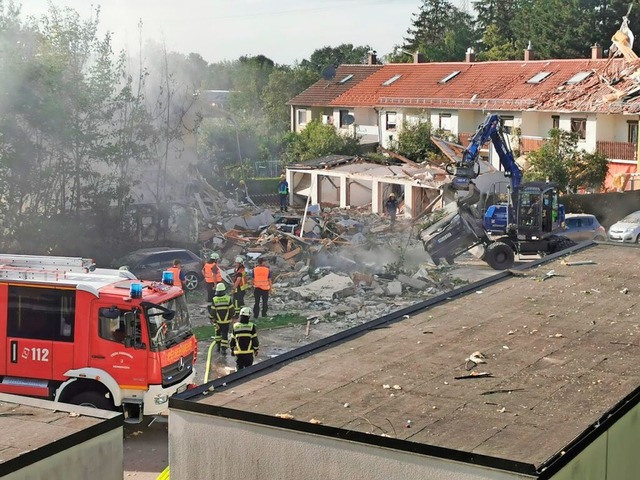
530,222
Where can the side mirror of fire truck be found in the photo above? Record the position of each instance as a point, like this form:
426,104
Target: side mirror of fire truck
129,329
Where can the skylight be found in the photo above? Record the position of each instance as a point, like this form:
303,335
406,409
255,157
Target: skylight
538,77
578,77
347,78
449,77
391,80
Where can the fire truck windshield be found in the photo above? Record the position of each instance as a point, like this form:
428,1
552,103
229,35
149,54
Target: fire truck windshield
168,323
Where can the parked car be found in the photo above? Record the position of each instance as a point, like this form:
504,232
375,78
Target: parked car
627,229
583,226
149,263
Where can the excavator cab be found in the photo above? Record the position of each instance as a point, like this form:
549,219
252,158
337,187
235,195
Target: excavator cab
538,211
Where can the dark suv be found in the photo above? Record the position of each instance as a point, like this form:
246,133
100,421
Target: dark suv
149,263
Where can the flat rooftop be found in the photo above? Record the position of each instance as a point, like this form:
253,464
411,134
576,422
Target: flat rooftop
30,427
561,351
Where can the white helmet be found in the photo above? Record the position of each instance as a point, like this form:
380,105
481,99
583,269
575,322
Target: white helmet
239,259
245,312
221,287
214,256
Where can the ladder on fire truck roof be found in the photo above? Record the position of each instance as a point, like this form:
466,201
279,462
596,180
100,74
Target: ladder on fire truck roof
43,262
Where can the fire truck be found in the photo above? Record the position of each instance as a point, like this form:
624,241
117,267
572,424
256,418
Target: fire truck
89,336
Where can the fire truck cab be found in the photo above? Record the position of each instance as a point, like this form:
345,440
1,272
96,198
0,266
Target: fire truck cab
78,334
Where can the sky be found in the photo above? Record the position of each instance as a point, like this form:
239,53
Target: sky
283,30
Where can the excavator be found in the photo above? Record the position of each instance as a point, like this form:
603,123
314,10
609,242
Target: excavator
529,222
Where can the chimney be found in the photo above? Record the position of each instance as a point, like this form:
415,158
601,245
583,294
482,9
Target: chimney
372,59
596,52
470,56
528,53
418,57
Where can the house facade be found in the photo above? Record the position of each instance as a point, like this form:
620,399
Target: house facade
595,98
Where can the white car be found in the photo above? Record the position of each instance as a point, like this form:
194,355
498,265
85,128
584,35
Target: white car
627,229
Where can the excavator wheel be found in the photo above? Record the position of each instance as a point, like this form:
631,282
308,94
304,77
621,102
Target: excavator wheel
499,256
559,243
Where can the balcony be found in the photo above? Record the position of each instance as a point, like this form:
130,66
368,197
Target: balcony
617,150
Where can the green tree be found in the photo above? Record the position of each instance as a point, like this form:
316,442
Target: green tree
284,84
559,161
494,21
549,162
440,31
317,140
588,170
346,53
414,142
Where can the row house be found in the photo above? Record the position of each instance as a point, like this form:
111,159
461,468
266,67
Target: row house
597,98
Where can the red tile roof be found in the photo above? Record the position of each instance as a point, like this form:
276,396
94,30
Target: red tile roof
492,85
323,92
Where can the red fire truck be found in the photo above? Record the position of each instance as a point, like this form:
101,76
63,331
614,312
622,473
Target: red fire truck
78,334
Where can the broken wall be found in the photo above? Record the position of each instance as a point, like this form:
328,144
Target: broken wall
329,190
359,192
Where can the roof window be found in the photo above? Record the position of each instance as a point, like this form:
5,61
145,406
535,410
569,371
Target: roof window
578,77
538,77
450,76
347,78
391,80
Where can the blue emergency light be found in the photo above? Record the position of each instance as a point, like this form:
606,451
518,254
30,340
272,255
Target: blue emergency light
167,278
135,291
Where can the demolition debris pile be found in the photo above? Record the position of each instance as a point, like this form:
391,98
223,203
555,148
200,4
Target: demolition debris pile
328,263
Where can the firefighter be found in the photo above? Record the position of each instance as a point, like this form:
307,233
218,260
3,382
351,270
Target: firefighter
178,274
244,340
261,287
212,275
283,193
392,207
178,281
221,312
240,285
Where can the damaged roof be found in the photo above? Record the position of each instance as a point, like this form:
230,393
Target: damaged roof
321,93
543,85
357,167
561,362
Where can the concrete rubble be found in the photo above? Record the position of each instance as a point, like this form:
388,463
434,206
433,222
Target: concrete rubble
331,264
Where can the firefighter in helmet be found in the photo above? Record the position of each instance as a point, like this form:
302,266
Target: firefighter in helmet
244,340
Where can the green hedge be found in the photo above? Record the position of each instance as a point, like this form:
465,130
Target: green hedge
261,186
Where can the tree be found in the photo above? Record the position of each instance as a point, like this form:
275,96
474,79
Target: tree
284,84
559,161
317,140
494,21
346,53
414,141
440,31
588,170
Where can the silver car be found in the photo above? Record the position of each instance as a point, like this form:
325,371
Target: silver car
583,226
627,229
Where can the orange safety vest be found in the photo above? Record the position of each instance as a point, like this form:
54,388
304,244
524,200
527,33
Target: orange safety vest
242,275
176,276
261,277
211,275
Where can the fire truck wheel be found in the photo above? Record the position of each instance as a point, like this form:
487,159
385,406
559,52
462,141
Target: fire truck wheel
93,400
